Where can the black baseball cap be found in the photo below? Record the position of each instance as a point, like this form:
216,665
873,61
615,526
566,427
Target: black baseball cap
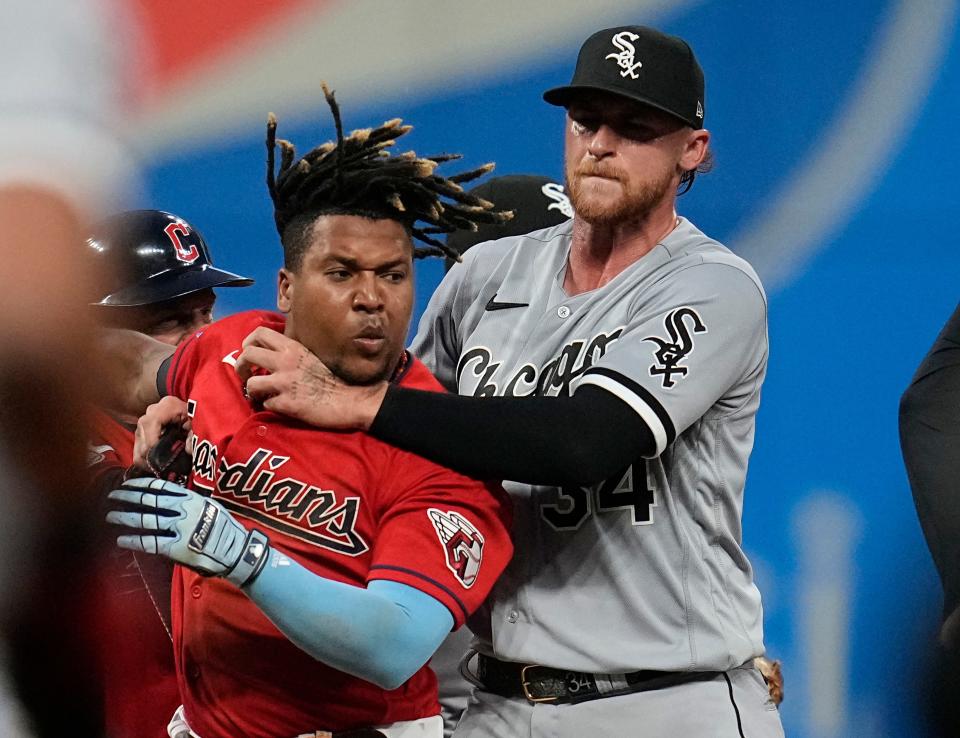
642,64
537,202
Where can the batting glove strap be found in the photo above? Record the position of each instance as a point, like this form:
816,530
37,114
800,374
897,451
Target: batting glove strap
256,551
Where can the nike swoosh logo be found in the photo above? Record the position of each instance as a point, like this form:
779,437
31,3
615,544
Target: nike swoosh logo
492,304
231,358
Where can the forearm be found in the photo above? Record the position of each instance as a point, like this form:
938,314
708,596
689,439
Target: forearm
382,634
133,360
577,440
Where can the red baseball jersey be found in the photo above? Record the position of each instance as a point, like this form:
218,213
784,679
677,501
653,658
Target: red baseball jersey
136,653
344,505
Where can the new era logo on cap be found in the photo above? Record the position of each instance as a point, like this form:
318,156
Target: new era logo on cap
642,64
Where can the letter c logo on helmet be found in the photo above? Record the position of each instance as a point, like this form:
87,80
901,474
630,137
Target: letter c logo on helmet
185,253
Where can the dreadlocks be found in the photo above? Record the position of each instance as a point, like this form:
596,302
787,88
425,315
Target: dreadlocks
357,175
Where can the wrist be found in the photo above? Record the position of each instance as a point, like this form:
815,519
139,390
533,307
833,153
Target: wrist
253,558
369,406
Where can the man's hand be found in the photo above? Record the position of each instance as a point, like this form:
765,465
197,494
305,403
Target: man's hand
170,411
298,384
164,518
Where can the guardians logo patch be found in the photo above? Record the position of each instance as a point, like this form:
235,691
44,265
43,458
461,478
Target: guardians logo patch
462,544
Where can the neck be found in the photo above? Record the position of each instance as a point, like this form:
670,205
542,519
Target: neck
599,252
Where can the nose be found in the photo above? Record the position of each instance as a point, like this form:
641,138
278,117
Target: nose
602,143
367,297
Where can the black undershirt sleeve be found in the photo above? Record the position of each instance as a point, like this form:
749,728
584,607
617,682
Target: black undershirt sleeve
577,440
930,440
162,373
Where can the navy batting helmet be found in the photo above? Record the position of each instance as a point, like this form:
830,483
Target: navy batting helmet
149,256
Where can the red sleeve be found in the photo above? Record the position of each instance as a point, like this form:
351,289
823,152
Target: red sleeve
220,341
109,453
442,533
109,441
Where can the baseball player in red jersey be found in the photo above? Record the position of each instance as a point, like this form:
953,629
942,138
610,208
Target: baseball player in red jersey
319,570
156,277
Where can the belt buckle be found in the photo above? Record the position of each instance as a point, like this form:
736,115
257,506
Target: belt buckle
525,684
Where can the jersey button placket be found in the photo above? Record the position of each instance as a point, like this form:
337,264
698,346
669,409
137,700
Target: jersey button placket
563,312
195,591
513,616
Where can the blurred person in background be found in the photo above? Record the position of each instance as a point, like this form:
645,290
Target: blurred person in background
929,436
61,162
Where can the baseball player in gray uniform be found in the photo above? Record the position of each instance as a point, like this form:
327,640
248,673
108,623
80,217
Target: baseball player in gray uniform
611,366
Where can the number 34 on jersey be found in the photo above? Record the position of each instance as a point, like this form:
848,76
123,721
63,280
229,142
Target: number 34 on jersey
628,492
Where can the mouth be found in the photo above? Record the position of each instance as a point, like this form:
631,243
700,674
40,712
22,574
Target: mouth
370,340
598,175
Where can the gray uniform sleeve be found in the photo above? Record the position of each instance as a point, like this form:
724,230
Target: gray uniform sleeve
696,347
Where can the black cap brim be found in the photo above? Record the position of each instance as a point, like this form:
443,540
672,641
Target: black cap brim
172,284
561,97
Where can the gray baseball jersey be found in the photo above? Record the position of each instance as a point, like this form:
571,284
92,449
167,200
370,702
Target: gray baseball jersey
644,570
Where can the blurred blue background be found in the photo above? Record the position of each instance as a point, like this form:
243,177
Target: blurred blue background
834,136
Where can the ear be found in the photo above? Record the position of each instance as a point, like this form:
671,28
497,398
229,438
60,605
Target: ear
285,280
694,149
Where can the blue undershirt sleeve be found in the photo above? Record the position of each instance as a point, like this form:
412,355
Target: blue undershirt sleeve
382,633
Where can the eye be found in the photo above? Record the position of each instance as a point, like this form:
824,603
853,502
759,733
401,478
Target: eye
639,132
339,275
582,122
394,276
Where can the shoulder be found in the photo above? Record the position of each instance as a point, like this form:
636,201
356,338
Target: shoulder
508,263
247,321
488,256
219,342
233,327
703,266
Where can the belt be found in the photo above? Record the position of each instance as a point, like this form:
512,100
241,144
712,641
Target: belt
560,686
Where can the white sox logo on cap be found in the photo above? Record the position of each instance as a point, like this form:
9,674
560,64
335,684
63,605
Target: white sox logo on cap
625,59
560,200
462,544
